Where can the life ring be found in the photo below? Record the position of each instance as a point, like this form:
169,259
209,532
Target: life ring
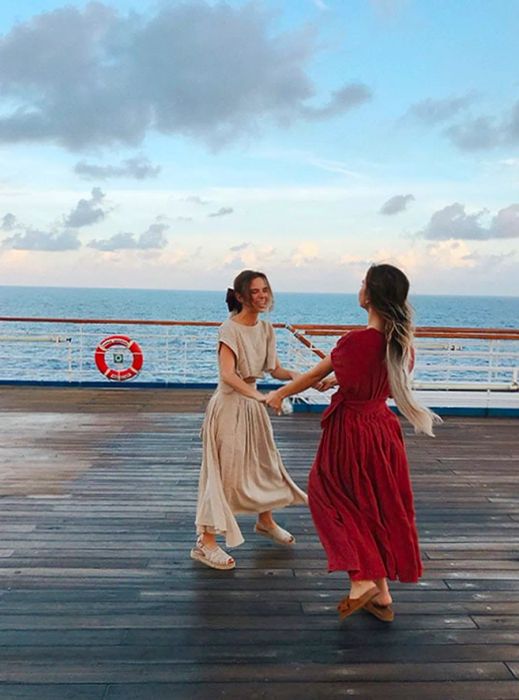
124,341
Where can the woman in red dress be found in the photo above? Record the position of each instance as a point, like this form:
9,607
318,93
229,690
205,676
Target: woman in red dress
359,488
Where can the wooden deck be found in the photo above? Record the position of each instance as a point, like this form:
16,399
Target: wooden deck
100,601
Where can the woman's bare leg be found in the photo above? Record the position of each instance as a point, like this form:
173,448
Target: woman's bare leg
209,540
266,519
358,588
384,598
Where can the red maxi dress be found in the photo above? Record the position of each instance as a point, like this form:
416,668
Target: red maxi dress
359,488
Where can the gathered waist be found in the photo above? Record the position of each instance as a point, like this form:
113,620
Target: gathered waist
367,406
227,390
359,407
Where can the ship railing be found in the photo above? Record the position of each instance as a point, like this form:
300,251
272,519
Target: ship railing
61,350
447,358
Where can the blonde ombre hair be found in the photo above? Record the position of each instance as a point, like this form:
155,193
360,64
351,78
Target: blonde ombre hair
387,288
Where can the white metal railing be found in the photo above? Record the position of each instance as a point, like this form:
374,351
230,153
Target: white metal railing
455,360
62,350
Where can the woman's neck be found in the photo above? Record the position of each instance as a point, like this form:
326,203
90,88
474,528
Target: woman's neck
247,317
375,320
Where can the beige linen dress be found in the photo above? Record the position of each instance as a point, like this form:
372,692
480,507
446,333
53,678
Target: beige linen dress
242,470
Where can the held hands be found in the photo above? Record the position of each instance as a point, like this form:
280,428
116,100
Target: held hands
273,400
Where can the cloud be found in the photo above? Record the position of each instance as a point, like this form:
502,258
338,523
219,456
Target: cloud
306,253
87,211
139,168
490,260
388,8
506,223
33,239
448,255
9,222
194,199
152,239
95,77
486,132
223,211
396,204
248,255
435,111
342,100
475,134
452,222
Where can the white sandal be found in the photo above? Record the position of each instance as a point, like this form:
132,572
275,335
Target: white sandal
216,558
275,533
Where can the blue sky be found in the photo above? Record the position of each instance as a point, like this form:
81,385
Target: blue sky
172,144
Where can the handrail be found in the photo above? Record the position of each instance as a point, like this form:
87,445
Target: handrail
119,321
420,331
315,329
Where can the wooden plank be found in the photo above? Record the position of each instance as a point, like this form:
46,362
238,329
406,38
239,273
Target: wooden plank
98,594
469,690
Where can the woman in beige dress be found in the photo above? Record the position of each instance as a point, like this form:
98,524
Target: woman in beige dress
242,471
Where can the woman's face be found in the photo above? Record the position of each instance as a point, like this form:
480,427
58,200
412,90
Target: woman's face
259,294
363,295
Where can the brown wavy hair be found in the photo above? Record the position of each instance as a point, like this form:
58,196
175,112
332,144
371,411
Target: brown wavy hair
387,288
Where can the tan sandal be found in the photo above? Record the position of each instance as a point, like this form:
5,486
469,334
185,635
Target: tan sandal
216,557
385,613
275,533
347,606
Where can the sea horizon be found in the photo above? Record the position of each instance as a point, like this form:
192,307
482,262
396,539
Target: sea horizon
339,308
223,290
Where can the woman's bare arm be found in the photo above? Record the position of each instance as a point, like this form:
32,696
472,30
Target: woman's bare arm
227,365
283,373
304,381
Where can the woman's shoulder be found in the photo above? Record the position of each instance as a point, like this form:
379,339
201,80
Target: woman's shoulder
227,328
363,334
266,326
360,338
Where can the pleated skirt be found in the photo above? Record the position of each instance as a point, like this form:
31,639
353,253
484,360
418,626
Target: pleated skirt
242,470
361,498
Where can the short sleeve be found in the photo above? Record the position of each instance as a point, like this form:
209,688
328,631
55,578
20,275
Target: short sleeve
271,359
227,336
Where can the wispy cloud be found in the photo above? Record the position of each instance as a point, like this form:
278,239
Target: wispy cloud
439,110
138,168
9,222
34,239
152,239
88,211
223,211
195,199
396,204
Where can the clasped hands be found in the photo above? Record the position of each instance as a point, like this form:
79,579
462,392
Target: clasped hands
273,400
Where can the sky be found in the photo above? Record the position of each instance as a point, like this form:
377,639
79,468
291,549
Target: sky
171,144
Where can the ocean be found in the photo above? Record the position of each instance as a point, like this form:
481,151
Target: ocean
290,307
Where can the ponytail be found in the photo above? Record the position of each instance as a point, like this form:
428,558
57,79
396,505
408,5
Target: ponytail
232,302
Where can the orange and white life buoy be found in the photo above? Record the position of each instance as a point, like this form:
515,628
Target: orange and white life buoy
124,341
